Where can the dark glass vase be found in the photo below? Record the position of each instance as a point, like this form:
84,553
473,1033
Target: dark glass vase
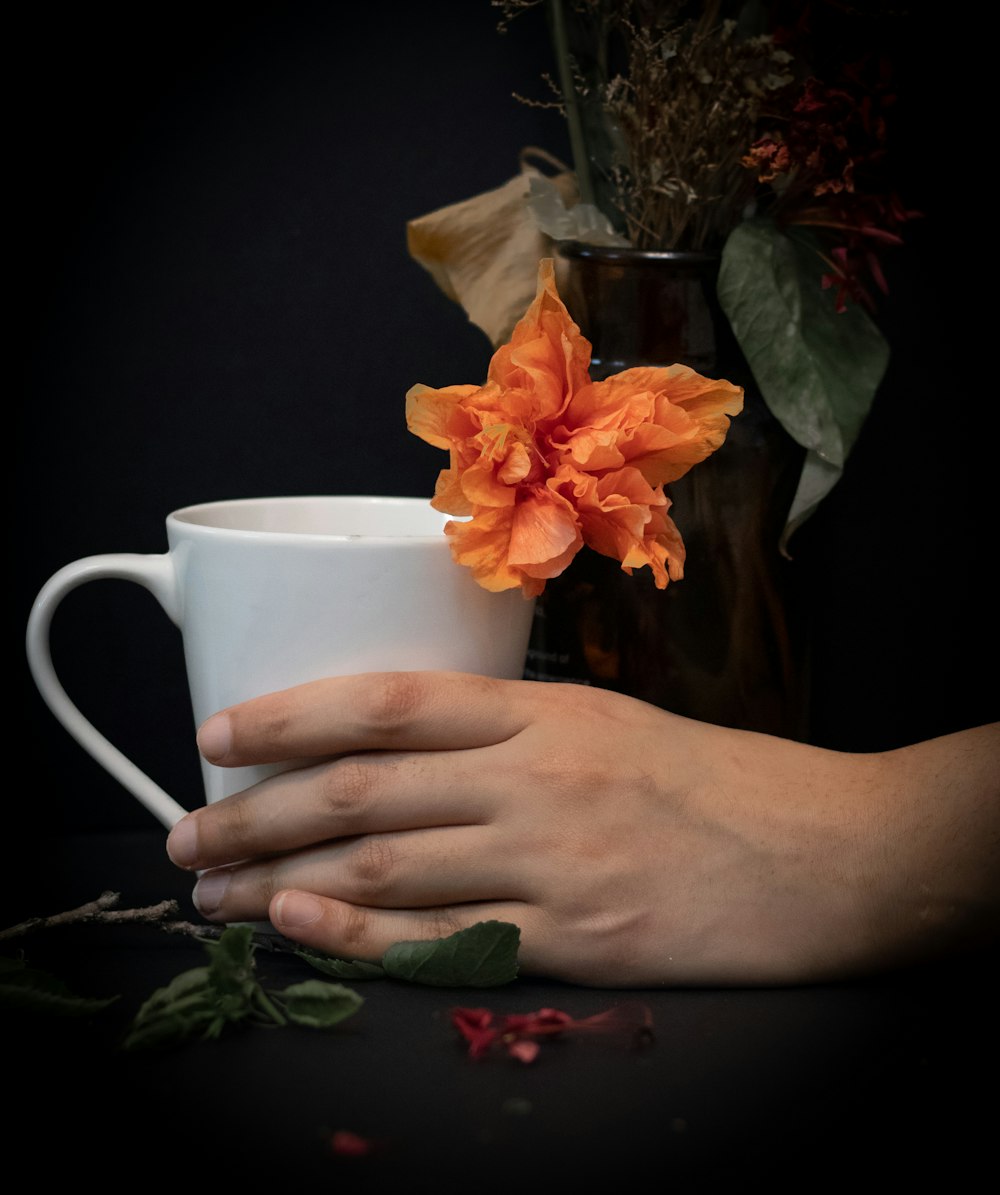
724,644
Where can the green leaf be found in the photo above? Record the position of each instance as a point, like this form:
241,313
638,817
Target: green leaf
267,1008
318,1005
202,1001
181,989
187,1007
485,955
231,963
28,989
818,369
340,968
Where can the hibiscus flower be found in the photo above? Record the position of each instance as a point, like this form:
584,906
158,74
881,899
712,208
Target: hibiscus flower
544,460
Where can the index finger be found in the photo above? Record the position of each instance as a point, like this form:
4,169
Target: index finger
411,711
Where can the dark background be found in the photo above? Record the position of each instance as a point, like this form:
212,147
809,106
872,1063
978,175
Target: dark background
216,301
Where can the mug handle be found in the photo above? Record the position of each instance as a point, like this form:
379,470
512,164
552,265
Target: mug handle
155,573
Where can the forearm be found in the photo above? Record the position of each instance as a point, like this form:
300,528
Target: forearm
939,839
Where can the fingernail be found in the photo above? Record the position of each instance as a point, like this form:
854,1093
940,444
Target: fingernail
296,909
182,843
215,737
210,890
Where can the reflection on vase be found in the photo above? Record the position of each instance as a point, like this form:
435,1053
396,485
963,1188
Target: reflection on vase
723,645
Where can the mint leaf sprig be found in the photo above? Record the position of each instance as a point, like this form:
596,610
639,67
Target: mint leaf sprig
202,1002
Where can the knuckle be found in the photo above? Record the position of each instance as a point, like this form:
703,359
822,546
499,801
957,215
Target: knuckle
268,882
393,700
372,867
443,924
566,775
352,783
355,931
262,723
230,825
613,941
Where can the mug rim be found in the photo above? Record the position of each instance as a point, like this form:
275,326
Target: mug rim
177,518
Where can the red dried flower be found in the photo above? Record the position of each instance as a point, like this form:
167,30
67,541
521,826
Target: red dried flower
520,1033
769,158
826,166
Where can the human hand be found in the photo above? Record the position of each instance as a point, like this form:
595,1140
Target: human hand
631,846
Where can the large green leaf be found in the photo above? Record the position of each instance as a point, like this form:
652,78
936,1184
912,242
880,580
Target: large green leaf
484,955
818,369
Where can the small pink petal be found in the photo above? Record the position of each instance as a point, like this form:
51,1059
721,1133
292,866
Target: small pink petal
523,1050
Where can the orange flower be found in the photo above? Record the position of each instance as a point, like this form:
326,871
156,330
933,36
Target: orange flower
544,460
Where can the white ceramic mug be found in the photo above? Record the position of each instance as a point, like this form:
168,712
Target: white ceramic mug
274,592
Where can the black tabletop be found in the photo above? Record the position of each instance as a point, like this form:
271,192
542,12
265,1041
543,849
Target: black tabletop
886,1080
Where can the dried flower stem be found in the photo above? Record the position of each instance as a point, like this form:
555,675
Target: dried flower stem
578,144
103,911
100,910
272,943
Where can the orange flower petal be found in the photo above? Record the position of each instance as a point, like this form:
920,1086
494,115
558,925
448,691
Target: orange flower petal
625,518
483,545
593,449
449,497
688,421
482,487
516,467
620,401
547,355
545,535
428,411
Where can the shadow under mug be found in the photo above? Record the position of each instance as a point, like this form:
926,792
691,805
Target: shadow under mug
274,592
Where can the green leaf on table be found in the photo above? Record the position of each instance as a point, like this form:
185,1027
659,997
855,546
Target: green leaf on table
232,953
316,1004
187,1007
484,955
29,989
818,369
340,968
231,966
202,1002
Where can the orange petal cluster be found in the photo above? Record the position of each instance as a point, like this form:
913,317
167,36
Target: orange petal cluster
544,460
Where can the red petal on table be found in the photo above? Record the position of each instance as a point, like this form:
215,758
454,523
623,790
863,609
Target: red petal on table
350,1145
536,1024
632,1019
523,1050
475,1025
520,1032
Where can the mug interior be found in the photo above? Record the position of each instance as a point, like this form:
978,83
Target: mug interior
342,517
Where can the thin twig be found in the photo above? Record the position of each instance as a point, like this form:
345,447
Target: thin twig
151,913
272,943
87,912
101,910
